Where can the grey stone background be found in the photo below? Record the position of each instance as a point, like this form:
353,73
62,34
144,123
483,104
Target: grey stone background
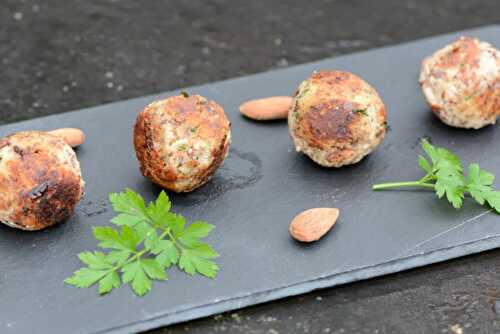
60,55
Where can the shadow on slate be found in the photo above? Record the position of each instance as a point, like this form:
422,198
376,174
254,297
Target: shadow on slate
251,200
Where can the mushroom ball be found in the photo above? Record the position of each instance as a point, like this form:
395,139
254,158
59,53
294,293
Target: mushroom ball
336,118
40,180
181,141
461,82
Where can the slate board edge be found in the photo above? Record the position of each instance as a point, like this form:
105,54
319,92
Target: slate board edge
154,96
391,267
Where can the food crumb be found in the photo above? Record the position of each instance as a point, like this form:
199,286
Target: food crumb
282,62
236,317
456,329
18,16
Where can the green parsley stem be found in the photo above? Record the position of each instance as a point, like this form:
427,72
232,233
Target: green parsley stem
137,254
174,240
392,185
165,232
117,267
168,231
428,177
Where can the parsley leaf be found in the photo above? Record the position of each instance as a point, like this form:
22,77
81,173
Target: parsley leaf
445,175
424,164
128,202
109,282
191,236
361,111
86,277
479,183
146,242
494,200
192,261
450,182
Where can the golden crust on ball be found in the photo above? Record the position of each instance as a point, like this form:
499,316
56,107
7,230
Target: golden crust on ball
461,82
336,118
181,141
40,180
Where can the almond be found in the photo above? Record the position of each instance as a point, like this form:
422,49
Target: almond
74,137
267,109
312,224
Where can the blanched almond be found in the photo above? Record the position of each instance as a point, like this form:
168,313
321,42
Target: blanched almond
312,224
74,137
267,109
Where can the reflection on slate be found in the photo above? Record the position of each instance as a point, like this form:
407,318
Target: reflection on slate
251,200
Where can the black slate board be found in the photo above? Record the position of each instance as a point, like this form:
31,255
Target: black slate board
252,199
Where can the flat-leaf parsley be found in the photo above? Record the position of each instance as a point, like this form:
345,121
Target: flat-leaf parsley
148,240
446,177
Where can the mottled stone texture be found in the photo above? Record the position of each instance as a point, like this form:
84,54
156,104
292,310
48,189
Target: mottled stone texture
61,55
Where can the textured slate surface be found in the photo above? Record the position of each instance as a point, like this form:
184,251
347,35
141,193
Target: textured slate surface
263,184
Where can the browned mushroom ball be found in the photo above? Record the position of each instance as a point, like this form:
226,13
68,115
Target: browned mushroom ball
461,82
40,180
336,118
181,141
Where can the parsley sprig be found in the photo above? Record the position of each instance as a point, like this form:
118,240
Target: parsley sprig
148,240
446,177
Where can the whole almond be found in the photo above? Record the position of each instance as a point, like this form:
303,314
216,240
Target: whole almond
267,109
73,137
312,224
